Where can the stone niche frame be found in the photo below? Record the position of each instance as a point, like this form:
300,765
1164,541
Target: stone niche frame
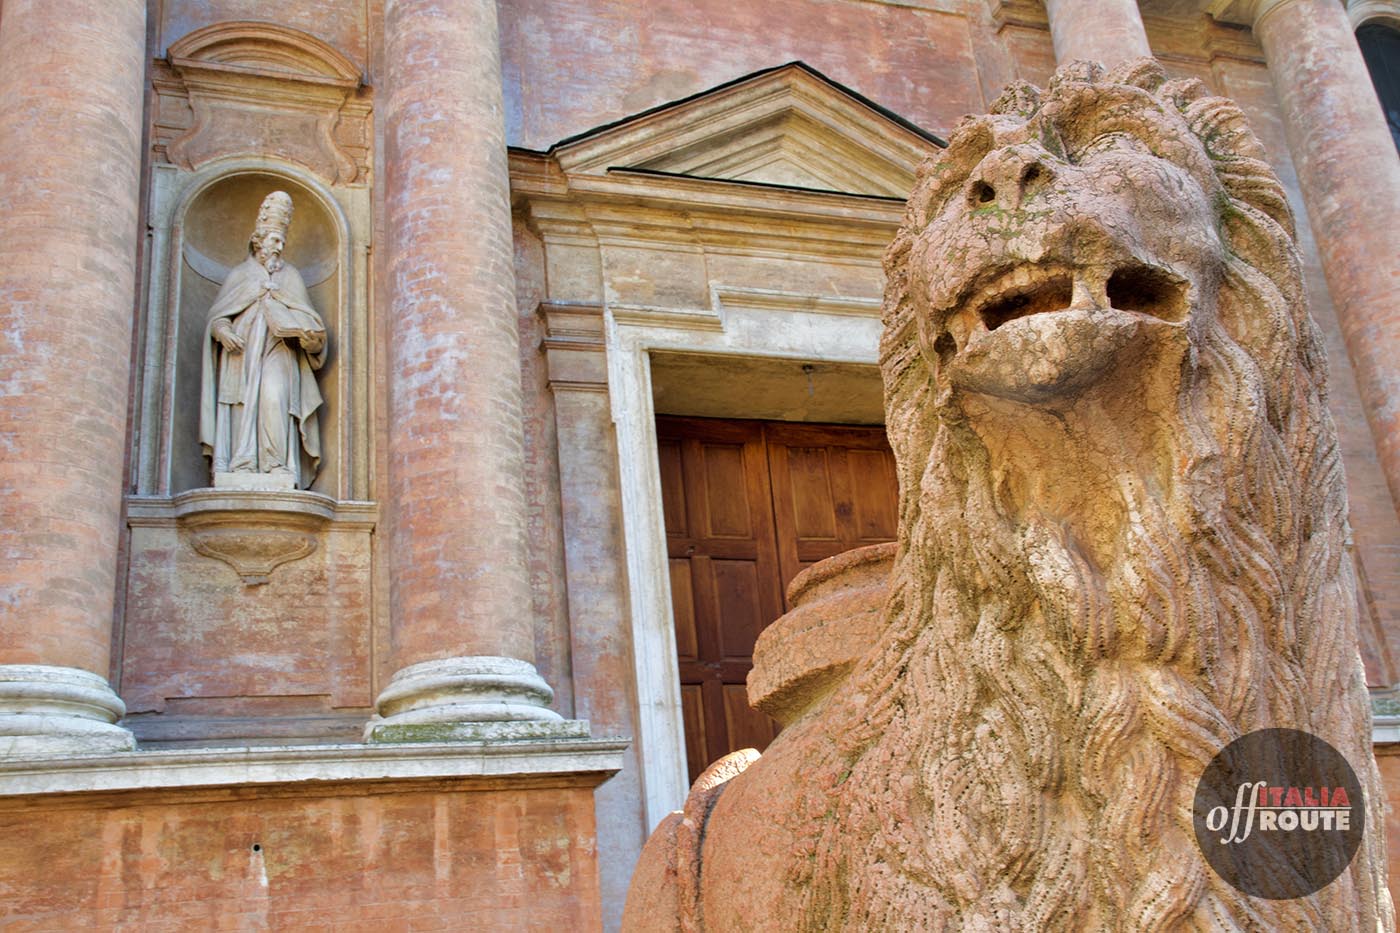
160,450
718,226
248,616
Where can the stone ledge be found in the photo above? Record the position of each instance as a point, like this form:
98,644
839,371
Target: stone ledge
268,765
1385,730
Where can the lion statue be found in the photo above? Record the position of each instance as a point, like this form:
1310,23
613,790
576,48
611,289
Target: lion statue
1121,528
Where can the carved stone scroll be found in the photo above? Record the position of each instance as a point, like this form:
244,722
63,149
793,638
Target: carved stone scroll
253,532
257,88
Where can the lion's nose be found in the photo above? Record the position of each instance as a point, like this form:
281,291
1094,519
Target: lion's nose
1007,177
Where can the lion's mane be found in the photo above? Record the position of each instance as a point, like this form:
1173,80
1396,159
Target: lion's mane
1021,752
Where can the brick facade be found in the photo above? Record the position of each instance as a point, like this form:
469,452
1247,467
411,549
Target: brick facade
512,218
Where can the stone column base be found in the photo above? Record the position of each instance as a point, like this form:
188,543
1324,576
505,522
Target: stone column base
58,712
469,699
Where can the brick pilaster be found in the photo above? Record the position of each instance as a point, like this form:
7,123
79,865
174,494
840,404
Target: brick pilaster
462,632
71,82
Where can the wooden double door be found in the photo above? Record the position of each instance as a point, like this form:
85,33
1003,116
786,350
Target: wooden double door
749,505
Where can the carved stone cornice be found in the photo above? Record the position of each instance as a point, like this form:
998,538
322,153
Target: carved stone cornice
1243,12
1028,13
575,346
246,87
1201,39
1361,12
254,532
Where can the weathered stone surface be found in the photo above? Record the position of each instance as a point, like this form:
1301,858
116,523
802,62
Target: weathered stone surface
1121,546
836,618
68,229
1109,31
247,610
259,402
70,158
459,585
506,853
262,87
1351,184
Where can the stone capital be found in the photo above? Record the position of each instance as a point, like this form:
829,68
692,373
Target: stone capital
1244,12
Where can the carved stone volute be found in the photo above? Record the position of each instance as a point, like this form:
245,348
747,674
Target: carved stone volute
253,532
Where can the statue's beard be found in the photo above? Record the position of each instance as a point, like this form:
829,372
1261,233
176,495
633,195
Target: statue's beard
1046,717
271,260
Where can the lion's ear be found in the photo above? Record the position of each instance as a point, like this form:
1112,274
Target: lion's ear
1142,73
1240,160
1183,92
1019,99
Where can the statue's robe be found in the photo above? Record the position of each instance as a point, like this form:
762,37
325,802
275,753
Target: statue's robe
258,405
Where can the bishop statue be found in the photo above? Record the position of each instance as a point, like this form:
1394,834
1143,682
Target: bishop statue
263,344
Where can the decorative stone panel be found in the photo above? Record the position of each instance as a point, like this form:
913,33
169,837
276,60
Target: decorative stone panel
235,88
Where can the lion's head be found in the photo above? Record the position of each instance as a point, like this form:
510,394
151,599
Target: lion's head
1122,519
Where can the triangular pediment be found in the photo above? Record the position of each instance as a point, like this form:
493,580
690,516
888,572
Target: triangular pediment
788,126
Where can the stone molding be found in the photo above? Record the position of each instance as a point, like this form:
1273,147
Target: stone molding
574,346
257,87
273,765
1243,12
484,697
55,711
1028,14
642,260
1201,40
627,226
254,532
1361,12
787,125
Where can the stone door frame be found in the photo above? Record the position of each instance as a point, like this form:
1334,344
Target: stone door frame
746,322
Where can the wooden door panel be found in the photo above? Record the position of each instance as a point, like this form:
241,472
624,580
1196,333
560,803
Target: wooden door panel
847,473
807,471
693,719
748,505
739,606
877,505
726,508
683,610
724,570
668,453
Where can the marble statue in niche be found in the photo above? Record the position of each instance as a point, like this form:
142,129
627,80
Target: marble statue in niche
262,347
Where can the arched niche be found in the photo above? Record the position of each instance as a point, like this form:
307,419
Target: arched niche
203,221
213,239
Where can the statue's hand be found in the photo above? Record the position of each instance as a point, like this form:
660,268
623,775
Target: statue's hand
312,343
230,341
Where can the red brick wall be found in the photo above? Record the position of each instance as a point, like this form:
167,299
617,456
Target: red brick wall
427,857
572,66
1388,757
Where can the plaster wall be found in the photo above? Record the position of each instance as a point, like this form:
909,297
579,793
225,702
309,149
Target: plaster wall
512,855
571,67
